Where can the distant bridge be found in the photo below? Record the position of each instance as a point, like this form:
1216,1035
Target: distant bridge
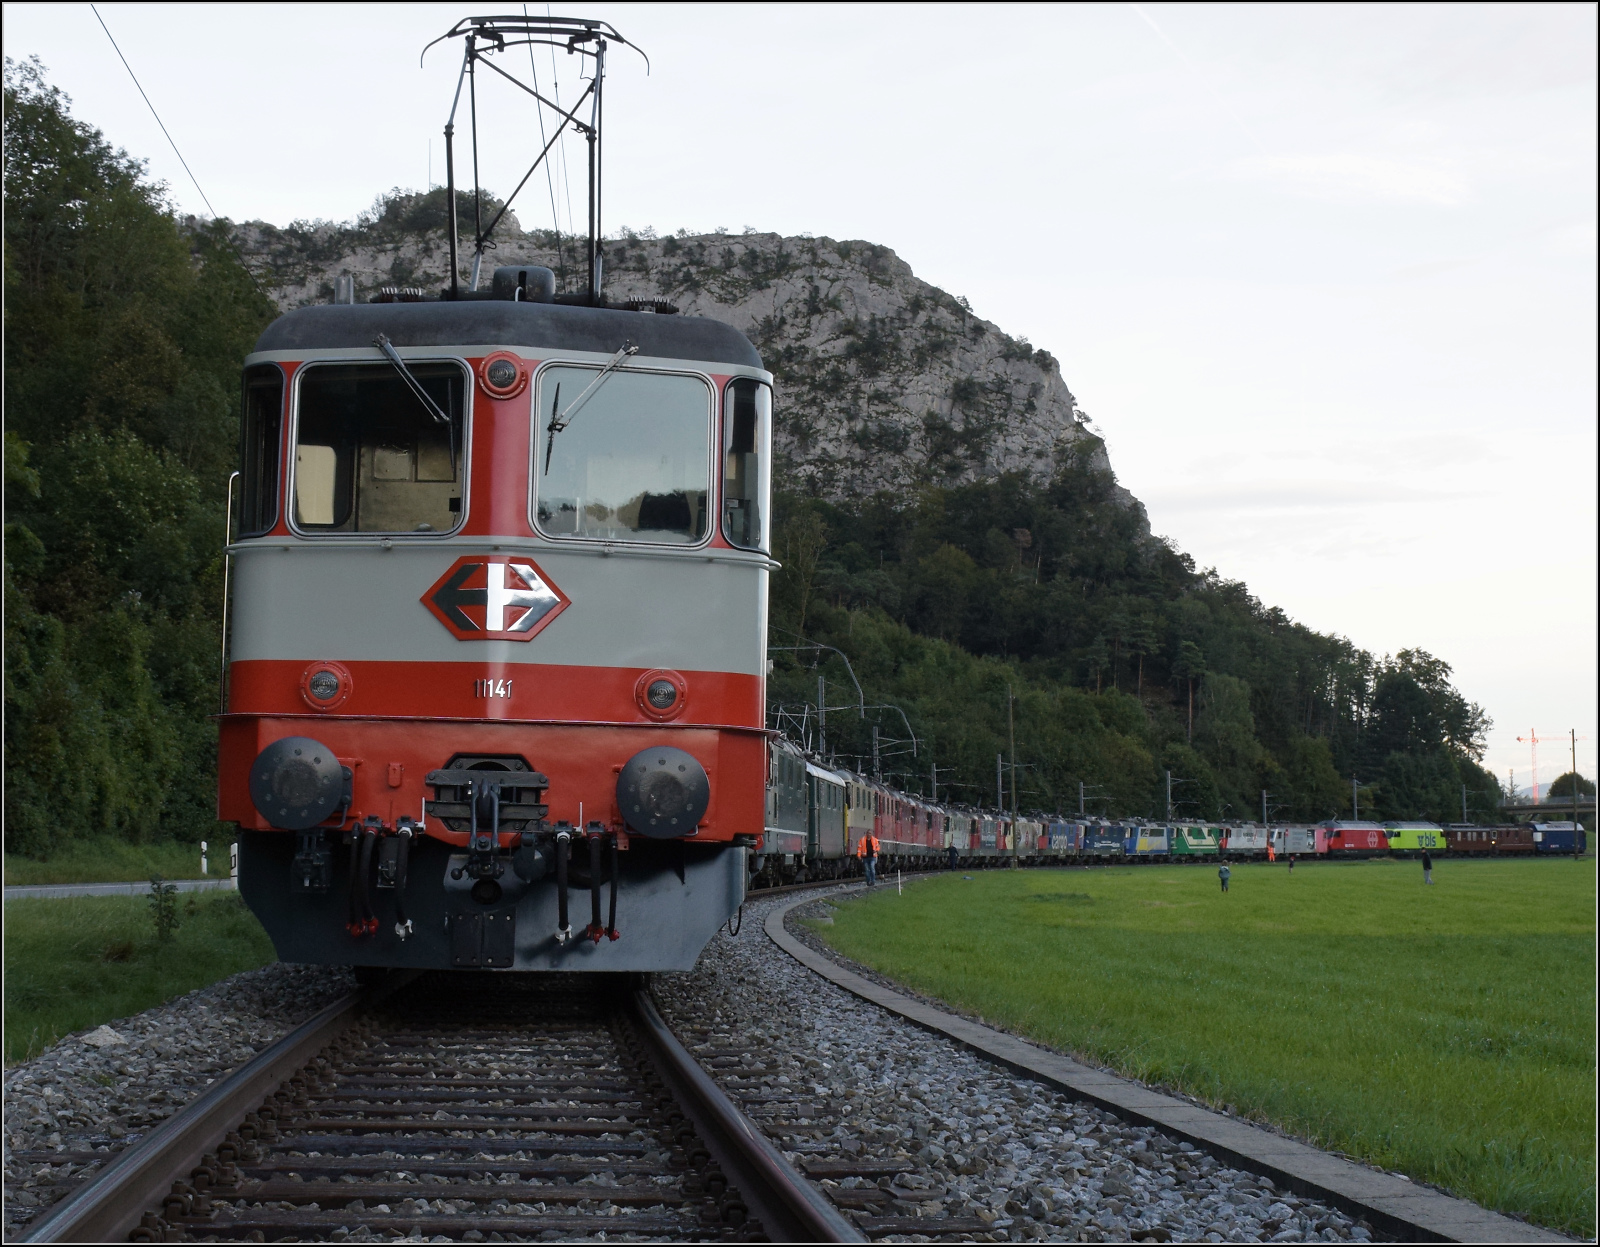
1556,811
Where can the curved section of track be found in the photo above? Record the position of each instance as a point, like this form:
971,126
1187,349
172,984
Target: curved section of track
553,1107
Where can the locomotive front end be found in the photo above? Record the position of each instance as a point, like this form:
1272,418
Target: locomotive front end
496,681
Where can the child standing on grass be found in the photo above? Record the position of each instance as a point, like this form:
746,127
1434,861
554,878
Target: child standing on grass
1427,866
1222,873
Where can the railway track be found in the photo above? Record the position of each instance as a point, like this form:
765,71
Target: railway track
524,1108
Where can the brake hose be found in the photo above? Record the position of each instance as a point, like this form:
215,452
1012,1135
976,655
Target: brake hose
369,924
563,843
611,926
352,919
595,930
402,924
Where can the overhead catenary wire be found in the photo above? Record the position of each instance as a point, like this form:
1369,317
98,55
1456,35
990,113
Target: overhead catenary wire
549,173
152,109
566,180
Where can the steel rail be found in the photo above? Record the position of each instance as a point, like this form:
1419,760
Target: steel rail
778,889
789,1207
113,1202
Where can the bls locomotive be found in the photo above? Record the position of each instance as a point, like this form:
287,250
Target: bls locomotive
495,694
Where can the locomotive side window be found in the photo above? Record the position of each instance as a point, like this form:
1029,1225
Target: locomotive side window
259,435
626,460
747,455
370,458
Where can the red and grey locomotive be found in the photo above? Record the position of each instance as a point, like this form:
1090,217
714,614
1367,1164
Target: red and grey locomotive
498,632
498,650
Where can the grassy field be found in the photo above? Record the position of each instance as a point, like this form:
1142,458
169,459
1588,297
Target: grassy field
116,861
76,962
1445,1032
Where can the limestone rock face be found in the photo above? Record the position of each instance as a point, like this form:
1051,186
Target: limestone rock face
884,382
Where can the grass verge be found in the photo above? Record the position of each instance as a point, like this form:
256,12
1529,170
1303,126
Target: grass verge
75,962
1445,1032
117,861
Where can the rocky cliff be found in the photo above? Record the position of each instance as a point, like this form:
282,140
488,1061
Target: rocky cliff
884,382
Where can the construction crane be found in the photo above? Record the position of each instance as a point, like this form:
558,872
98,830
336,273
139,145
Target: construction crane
1533,740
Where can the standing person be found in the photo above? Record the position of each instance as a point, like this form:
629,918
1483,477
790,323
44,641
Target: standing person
953,856
1427,866
867,851
1291,863
1223,873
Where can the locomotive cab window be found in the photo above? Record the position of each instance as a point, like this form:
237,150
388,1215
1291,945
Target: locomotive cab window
259,436
370,457
622,457
747,455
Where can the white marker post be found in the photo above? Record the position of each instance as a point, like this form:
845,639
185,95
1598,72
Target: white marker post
233,865
202,857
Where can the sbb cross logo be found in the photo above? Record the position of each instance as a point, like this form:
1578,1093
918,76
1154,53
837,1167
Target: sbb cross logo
494,598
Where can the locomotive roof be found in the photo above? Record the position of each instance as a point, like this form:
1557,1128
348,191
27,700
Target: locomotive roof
540,326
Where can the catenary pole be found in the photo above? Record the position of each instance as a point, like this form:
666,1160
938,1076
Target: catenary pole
1011,729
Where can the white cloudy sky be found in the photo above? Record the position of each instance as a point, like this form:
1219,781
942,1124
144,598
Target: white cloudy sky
1324,275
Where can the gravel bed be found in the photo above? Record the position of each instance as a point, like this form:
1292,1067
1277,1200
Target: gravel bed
967,1139
98,1091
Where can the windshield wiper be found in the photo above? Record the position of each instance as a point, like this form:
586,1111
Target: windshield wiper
422,395
410,378
559,422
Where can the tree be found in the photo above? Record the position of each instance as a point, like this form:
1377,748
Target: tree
1313,788
124,334
944,584
1225,734
805,537
1564,787
1415,709
1099,659
1195,794
1190,665
1145,642
1118,625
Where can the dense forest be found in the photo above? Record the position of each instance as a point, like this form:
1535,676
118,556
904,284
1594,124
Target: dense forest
1009,610
123,339
1046,616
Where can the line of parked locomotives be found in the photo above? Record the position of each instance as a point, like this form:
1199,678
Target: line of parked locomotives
816,817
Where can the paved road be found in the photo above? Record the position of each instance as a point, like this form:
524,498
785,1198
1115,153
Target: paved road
113,889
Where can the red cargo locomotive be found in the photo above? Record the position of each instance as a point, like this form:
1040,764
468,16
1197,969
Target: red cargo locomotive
1345,838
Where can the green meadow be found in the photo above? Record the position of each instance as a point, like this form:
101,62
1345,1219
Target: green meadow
1446,1032
75,962
117,861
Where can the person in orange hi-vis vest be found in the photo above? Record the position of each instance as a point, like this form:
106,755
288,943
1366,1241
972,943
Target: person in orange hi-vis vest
867,850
